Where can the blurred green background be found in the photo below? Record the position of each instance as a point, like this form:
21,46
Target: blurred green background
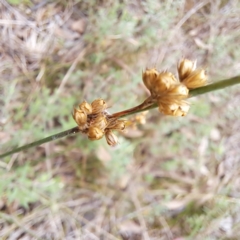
171,178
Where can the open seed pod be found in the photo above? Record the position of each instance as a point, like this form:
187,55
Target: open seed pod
197,78
98,106
117,125
111,138
178,90
185,68
149,77
163,83
86,107
177,109
95,133
79,116
100,121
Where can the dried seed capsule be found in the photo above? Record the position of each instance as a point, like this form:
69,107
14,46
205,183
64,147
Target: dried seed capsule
100,121
111,138
149,77
175,109
185,68
86,107
178,89
168,109
163,83
98,106
94,133
79,116
198,78
117,125
182,110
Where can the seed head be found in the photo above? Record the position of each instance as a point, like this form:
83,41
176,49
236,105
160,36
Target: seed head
178,89
100,121
117,125
94,133
198,78
98,106
111,138
175,109
167,109
149,77
163,83
182,110
79,116
185,68
86,107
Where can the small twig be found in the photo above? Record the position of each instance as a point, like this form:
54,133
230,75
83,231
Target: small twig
146,105
140,216
14,220
79,218
71,69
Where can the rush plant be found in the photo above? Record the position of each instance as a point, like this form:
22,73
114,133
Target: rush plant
167,92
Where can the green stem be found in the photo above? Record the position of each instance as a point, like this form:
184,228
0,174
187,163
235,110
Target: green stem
44,140
146,105
215,86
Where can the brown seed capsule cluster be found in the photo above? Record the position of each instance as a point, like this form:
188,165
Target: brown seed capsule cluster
170,92
191,76
93,120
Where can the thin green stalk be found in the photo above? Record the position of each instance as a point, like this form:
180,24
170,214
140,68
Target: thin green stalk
215,86
146,105
44,140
